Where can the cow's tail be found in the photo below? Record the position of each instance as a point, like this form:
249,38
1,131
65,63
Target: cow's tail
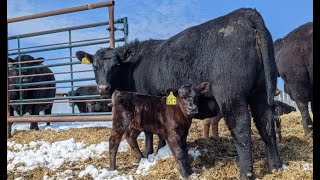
265,48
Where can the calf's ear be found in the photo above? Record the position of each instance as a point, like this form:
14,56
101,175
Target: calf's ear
84,57
174,91
204,87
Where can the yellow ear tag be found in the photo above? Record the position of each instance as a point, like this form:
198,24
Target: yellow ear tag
85,60
171,99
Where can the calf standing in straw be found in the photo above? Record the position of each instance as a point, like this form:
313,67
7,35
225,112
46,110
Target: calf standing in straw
133,113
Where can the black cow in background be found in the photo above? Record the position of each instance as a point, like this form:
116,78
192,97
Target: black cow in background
294,58
94,106
234,53
14,95
34,109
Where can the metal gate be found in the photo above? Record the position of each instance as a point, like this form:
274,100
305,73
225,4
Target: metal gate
56,62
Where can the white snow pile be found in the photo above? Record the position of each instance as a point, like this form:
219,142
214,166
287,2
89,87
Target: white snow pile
146,163
103,174
44,154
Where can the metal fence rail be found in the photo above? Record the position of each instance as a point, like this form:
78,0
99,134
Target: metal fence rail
56,62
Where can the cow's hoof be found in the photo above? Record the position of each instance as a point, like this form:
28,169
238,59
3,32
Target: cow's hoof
282,167
309,131
248,176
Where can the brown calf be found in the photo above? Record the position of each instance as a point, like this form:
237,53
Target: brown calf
134,112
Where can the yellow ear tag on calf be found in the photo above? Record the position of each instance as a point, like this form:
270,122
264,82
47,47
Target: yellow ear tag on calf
85,60
171,99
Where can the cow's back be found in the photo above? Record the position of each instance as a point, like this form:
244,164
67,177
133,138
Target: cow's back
294,58
221,51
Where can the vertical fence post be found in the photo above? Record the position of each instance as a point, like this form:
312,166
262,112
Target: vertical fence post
111,24
20,79
125,30
9,125
71,66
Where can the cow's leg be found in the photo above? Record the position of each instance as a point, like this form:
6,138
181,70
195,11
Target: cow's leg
306,119
312,106
148,143
131,137
238,121
35,111
178,146
48,111
206,128
263,118
114,142
215,127
161,143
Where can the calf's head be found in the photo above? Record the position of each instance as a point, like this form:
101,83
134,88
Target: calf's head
107,64
187,97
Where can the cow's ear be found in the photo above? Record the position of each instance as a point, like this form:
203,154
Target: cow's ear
84,58
174,91
204,87
40,60
10,60
128,55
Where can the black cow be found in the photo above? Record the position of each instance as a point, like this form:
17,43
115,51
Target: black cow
34,109
93,106
14,95
294,58
234,53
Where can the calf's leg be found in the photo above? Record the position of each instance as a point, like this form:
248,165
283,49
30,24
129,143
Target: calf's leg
178,146
148,143
215,127
114,141
206,128
131,137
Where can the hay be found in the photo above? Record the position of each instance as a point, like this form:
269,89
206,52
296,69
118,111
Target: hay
218,159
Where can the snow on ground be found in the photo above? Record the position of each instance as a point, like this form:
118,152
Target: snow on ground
53,155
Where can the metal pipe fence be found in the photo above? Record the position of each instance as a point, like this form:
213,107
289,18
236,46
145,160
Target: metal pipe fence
21,66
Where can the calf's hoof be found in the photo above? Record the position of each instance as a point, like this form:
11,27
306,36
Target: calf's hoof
112,168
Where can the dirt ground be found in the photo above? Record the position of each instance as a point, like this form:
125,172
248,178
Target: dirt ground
218,159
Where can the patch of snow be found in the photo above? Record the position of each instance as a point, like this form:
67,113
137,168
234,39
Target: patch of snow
102,174
306,167
44,154
194,153
146,163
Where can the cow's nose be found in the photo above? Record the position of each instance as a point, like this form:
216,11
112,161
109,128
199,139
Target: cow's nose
103,89
24,80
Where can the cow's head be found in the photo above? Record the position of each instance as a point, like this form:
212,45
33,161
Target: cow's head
25,59
107,63
187,97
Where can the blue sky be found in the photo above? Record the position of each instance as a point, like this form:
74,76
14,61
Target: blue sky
147,19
